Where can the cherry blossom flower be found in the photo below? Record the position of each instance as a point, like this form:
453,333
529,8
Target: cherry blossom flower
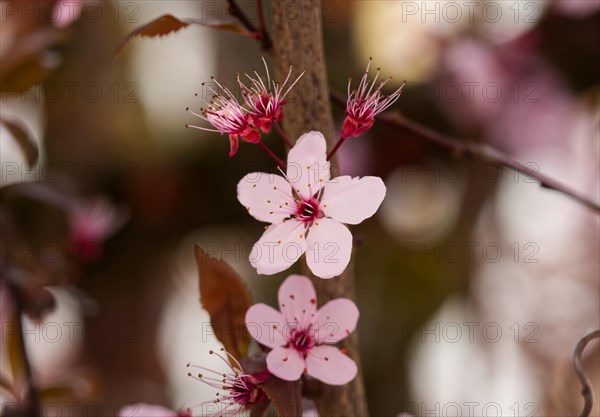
306,210
266,104
227,115
91,223
301,336
150,410
364,104
241,389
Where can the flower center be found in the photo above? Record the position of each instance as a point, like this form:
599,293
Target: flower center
302,341
245,392
309,211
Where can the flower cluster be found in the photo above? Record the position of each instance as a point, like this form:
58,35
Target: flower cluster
264,106
307,211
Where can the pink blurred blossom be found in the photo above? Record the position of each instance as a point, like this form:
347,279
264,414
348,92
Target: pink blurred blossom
577,8
66,12
91,223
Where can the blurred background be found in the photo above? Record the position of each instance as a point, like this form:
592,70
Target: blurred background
474,283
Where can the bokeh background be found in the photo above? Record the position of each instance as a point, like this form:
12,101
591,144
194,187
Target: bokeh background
474,283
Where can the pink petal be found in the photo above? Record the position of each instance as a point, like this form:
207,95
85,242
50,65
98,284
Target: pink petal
352,200
266,325
336,320
285,363
298,300
265,196
307,164
250,135
329,365
145,410
278,248
234,144
329,246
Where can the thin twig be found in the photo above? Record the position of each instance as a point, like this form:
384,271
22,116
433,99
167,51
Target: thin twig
262,26
32,402
236,12
336,147
282,134
272,155
586,386
471,150
259,33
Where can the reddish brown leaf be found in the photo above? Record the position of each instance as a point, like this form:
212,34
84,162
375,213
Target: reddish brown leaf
226,298
168,24
24,139
286,396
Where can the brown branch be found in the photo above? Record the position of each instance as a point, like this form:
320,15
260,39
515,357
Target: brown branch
471,150
236,12
262,27
261,32
586,386
298,42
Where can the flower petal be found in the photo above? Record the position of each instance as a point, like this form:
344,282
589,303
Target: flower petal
278,248
234,144
307,164
266,196
329,365
265,325
285,363
298,300
352,200
336,320
329,246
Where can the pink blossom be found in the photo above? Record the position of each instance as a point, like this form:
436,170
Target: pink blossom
91,223
306,210
364,104
241,389
300,335
227,115
265,104
150,410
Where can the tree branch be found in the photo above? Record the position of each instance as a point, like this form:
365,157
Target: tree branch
586,390
298,42
260,32
471,150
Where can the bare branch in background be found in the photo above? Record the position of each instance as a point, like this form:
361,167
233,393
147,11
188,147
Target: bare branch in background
471,150
586,386
261,32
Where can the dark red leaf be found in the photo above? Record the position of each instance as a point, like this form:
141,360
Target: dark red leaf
226,298
285,396
168,24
